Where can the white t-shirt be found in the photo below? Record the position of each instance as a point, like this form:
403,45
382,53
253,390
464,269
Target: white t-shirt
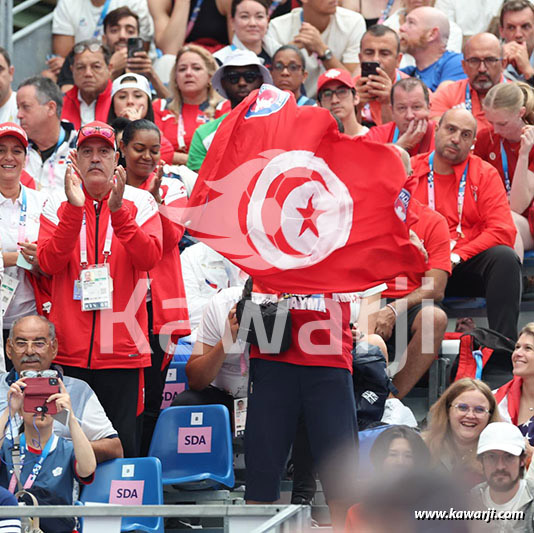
79,18
23,302
342,36
8,112
233,375
473,16
205,272
2,360
454,44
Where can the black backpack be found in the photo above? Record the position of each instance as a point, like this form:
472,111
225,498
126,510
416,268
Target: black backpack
372,385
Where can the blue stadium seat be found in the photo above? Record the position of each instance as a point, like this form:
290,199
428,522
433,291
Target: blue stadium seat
194,445
133,481
175,384
367,438
183,349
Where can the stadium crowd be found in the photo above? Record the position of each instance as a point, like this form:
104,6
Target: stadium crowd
103,279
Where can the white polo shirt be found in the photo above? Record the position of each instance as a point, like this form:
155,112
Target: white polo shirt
473,16
342,35
23,302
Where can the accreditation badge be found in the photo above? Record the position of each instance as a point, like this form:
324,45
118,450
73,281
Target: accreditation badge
96,288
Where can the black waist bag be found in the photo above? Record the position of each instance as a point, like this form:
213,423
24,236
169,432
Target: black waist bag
274,318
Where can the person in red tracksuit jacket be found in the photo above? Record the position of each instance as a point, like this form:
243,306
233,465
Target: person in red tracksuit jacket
168,316
468,192
102,221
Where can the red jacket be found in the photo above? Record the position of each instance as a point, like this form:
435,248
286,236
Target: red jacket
487,219
136,248
71,106
166,283
384,134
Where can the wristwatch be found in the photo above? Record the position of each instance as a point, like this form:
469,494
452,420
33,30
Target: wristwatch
327,55
455,259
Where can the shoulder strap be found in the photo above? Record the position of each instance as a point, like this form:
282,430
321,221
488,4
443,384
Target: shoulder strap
34,524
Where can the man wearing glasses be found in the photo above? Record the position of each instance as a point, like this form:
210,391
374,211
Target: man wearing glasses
336,92
32,346
90,98
114,231
484,66
241,73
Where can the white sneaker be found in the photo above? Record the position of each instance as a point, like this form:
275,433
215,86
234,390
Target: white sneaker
396,413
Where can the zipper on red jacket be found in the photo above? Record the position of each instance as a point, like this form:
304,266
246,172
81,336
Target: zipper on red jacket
97,209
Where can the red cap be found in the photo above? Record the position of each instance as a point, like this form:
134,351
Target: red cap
14,130
335,74
96,130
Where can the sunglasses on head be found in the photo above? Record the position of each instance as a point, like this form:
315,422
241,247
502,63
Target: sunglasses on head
249,76
87,131
92,47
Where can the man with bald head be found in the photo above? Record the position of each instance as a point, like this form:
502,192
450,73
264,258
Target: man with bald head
469,193
484,66
424,35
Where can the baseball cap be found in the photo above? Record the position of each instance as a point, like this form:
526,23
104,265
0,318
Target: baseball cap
139,82
239,58
96,130
14,130
501,436
335,74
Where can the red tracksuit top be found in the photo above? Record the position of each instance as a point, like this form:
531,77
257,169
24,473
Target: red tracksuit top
136,248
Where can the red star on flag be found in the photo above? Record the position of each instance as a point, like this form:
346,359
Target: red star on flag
309,217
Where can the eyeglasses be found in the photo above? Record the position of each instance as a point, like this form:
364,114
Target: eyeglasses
92,47
87,131
493,459
250,76
340,92
292,67
20,346
489,62
39,374
478,410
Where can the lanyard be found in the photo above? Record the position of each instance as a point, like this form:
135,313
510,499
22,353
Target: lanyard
385,13
395,135
83,243
52,159
504,160
461,192
193,18
23,215
468,103
273,6
100,23
181,132
36,468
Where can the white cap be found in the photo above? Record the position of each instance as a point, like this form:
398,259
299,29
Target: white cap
141,83
501,436
239,58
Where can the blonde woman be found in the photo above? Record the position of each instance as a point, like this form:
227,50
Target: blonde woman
456,421
193,101
509,108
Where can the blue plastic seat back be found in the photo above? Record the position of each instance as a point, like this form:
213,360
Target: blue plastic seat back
134,481
367,438
183,350
175,384
194,445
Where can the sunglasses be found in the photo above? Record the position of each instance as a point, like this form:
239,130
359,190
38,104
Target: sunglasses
87,131
39,374
250,76
92,47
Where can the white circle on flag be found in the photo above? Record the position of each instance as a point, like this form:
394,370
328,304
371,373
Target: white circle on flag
328,202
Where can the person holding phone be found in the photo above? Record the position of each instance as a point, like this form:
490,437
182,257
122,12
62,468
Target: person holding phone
380,57
45,465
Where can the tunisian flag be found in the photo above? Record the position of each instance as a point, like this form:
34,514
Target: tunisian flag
299,206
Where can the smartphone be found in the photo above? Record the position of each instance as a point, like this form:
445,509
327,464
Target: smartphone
135,44
369,67
36,392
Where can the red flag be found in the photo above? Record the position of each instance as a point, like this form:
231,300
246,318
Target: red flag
299,206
